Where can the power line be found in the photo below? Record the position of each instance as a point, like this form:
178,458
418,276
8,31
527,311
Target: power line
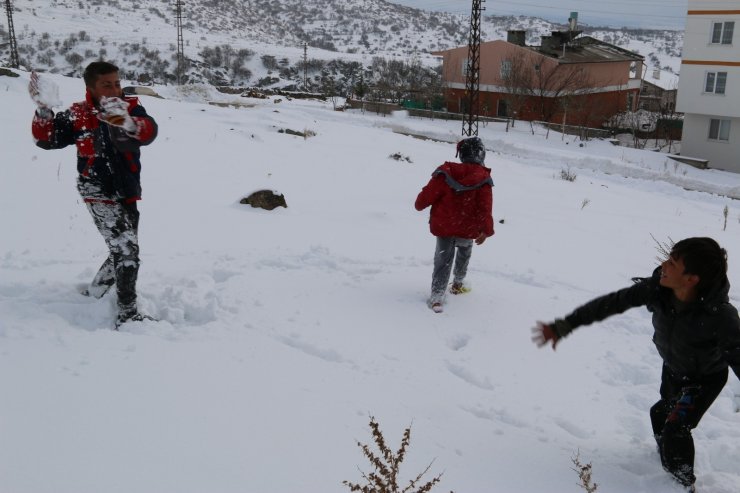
633,13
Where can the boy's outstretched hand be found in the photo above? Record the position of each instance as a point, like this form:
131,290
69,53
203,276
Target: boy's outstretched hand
543,334
43,92
33,88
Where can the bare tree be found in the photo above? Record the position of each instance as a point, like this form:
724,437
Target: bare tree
668,120
541,84
518,82
556,84
579,108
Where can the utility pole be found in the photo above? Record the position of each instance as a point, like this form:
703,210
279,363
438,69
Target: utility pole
180,45
305,66
14,62
472,78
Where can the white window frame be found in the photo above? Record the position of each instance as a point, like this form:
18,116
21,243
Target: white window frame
715,82
719,130
505,69
465,63
722,37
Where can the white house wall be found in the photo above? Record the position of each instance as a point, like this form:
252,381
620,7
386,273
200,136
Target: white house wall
693,99
695,143
699,57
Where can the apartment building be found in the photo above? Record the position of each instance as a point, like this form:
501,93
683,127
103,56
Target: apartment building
709,86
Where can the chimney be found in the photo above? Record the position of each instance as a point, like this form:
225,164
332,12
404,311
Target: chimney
549,44
517,37
656,74
573,21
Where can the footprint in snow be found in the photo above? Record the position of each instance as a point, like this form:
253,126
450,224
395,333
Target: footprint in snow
458,342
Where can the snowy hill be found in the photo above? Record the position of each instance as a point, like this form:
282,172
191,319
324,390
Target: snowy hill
261,42
282,331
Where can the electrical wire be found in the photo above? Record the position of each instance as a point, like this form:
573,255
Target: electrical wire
492,8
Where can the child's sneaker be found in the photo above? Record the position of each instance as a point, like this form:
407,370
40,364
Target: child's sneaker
96,290
131,316
685,477
459,288
435,304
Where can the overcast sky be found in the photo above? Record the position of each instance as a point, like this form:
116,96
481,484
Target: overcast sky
633,13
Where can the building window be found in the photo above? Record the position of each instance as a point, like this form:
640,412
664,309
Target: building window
715,82
722,32
505,68
719,129
465,63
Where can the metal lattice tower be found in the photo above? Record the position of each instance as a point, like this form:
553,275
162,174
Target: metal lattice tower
180,45
472,78
305,66
14,62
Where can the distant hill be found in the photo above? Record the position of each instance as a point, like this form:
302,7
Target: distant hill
261,42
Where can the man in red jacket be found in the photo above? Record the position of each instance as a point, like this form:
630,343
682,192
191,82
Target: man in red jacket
461,196
108,129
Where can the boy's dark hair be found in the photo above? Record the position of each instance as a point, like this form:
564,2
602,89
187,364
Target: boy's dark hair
95,70
705,258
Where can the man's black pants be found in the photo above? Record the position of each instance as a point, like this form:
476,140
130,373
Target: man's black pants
682,404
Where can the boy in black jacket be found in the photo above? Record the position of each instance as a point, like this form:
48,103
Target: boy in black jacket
697,334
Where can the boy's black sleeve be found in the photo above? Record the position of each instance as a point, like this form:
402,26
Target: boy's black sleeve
729,336
610,304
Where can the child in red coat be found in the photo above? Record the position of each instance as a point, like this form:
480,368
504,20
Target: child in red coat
461,196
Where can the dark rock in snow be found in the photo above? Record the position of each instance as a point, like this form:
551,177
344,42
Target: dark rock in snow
265,199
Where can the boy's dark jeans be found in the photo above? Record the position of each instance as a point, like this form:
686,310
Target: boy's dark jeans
682,404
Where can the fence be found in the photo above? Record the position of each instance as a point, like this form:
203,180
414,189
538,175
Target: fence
382,108
584,133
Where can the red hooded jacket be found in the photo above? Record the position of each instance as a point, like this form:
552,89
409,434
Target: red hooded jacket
461,196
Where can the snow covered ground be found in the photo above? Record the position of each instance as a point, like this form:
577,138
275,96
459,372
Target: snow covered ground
282,332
